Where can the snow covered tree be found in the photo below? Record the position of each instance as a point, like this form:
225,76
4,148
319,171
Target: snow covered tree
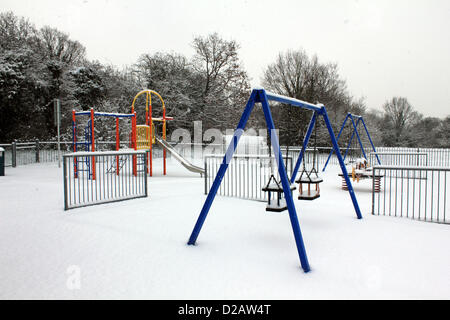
88,86
16,32
444,133
24,84
33,65
427,132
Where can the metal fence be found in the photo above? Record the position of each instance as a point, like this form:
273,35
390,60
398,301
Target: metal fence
20,153
100,177
436,157
245,177
23,153
399,158
322,154
414,192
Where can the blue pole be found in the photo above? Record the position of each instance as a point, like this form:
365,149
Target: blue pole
357,136
341,163
370,139
284,181
223,168
304,146
74,145
339,135
349,144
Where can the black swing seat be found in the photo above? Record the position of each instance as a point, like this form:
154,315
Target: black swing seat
279,203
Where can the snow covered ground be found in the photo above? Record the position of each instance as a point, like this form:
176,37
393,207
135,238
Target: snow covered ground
137,248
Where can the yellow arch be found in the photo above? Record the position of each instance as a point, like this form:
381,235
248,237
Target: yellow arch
148,99
145,134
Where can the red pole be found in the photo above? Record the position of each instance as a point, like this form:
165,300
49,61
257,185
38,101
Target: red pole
117,144
93,143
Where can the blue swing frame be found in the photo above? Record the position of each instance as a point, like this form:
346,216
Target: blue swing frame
263,97
355,131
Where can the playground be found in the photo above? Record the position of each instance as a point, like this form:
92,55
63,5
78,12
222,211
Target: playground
198,152
137,248
338,222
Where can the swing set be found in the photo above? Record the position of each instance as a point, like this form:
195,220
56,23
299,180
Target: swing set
354,132
360,169
263,97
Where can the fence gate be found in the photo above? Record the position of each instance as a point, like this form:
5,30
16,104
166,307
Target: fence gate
100,177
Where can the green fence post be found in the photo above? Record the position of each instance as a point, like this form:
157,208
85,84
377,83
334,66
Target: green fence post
2,161
14,154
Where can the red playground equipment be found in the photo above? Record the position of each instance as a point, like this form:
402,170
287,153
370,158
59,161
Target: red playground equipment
142,137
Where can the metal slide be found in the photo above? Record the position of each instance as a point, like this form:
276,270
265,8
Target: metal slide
177,156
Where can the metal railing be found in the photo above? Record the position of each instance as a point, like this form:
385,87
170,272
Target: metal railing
23,153
92,178
436,157
418,193
399,158
245,177
321,156
20,153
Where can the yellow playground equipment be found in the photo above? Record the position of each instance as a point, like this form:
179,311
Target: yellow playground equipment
144,136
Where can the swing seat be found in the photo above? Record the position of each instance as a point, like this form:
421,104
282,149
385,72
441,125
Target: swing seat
305,190
279,203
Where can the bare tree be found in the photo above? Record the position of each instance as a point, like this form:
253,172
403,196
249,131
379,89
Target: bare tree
299,76
58,46
399,115
217,59
207,87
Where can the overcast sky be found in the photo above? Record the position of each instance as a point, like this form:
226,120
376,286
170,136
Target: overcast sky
383,48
